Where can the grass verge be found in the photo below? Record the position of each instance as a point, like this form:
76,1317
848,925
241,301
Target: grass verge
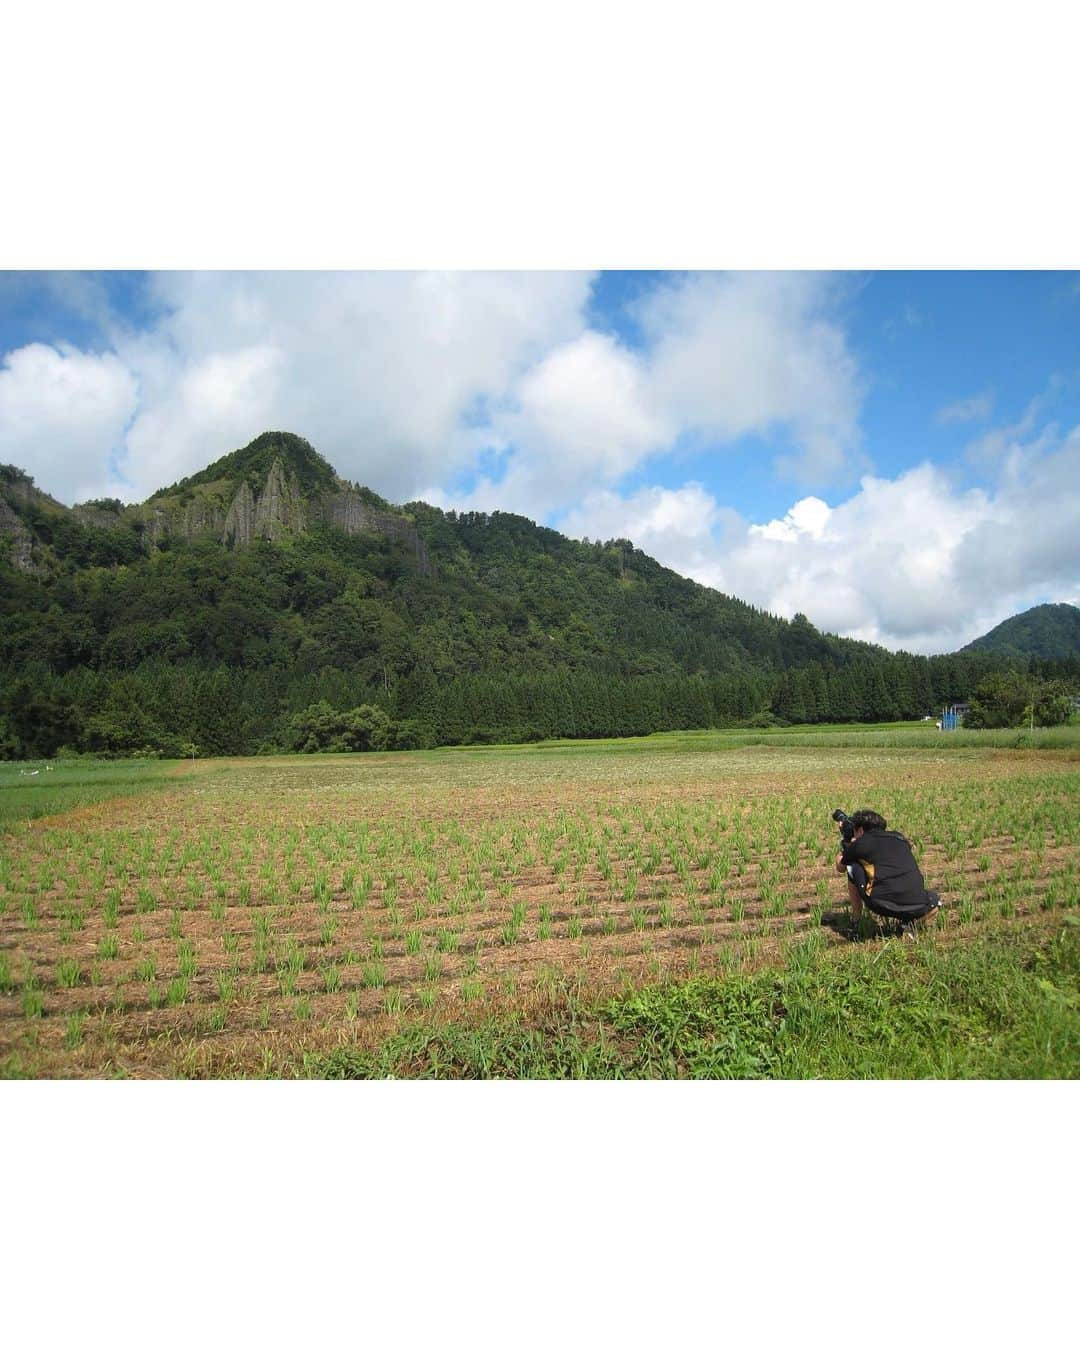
1006,1005
30,791
850,735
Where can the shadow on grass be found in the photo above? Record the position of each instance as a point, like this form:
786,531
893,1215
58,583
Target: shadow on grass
871,927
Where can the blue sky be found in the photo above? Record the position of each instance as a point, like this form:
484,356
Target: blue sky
853,445
924,341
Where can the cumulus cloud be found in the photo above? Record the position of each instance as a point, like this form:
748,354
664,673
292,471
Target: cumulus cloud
579,419
379,370
62,415
874,567
751,352
404,380
587,401
723,356
809,517
1028,539
912,562
676,525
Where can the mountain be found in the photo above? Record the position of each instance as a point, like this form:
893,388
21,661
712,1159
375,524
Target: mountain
276,486
530,587
1050,632
230,604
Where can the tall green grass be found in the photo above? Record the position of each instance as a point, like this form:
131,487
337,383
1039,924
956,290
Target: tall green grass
1006,1005
883,735
66,785
904,737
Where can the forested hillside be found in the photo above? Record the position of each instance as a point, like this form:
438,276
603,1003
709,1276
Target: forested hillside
1050,632
266,604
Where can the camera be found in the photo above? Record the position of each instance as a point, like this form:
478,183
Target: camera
847,827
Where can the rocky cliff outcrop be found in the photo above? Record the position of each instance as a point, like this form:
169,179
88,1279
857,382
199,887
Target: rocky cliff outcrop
100,517
281,508
19,495
21,540
235,515
278,509
203,515
347,510
21,490
240,521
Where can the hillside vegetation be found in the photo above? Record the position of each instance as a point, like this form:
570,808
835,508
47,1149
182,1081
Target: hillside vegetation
266,604
1051,632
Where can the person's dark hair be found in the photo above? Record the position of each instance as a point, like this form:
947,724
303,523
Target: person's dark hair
869,820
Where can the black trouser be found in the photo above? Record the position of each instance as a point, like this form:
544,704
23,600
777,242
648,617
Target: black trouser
857,874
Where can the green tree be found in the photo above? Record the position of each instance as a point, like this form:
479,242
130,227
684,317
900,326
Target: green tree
1013,699
322,727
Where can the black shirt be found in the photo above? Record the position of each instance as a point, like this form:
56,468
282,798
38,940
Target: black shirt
897,882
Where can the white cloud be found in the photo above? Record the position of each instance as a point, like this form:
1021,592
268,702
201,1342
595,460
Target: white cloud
995,446
379,370
62,414
402,379
807,517
724,355
587,404
876,567
751,352
911,562
973,409
1029,540
579,419
676,526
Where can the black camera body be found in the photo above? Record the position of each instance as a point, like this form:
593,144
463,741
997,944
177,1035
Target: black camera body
847,826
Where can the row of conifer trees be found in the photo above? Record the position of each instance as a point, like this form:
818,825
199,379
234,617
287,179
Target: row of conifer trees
224,710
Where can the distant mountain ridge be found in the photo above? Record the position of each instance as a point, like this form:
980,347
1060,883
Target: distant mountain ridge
1050,632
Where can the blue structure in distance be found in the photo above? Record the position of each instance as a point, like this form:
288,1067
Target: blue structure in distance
952,716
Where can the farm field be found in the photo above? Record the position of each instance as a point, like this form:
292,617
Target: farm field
296,916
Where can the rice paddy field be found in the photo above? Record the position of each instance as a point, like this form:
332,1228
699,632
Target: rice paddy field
660,907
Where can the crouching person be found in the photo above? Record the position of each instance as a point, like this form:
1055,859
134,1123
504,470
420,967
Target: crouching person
883,875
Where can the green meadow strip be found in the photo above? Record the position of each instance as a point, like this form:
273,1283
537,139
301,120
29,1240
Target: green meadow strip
1007,1005
52,788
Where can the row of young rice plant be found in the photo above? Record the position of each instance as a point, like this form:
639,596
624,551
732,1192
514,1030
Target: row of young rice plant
252,914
